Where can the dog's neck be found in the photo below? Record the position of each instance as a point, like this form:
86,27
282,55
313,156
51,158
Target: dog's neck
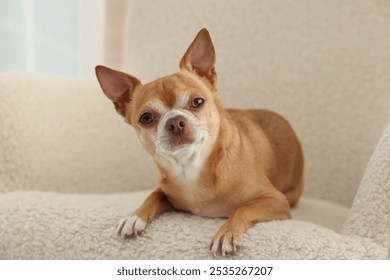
185,164
225,150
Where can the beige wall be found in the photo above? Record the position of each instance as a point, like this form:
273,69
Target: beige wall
325,65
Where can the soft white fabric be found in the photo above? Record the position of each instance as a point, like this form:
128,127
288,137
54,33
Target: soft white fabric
370,213
42,225
60,134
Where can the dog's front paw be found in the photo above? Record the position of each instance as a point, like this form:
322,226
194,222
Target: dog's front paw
226,241
130,226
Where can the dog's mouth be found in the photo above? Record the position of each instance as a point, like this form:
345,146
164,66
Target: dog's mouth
181,140
181,143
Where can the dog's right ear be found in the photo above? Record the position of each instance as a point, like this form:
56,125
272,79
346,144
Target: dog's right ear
200,57
117,86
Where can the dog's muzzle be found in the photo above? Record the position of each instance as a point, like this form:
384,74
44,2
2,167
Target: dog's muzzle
179,131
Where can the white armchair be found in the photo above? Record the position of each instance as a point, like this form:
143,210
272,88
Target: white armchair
70,168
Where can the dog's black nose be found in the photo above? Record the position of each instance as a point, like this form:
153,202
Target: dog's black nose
176,125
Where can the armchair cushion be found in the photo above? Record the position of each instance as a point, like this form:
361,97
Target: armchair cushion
44,225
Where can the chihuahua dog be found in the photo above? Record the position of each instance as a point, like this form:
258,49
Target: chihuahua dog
245,165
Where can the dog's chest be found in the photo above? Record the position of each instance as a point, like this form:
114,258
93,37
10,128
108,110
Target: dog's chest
199,200
189,187
186,173
185,169
197,197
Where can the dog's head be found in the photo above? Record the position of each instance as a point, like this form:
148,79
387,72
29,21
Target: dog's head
177,116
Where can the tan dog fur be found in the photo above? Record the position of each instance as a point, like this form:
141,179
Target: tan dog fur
247,166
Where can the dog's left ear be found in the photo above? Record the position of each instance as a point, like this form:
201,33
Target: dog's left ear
117,86
200,57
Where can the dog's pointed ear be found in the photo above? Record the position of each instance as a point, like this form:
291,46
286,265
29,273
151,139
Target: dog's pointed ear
200,57
117,86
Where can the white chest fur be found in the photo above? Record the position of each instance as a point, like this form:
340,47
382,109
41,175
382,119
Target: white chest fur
184,164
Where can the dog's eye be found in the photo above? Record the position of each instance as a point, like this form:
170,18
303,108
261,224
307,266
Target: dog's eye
146,118
197,102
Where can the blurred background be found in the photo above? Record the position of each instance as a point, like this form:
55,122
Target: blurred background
60,37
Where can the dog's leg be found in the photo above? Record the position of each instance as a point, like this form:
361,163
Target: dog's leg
156,203
266,208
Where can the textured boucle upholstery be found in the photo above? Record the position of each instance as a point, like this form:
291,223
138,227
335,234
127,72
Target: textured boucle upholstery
62,135
43,225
